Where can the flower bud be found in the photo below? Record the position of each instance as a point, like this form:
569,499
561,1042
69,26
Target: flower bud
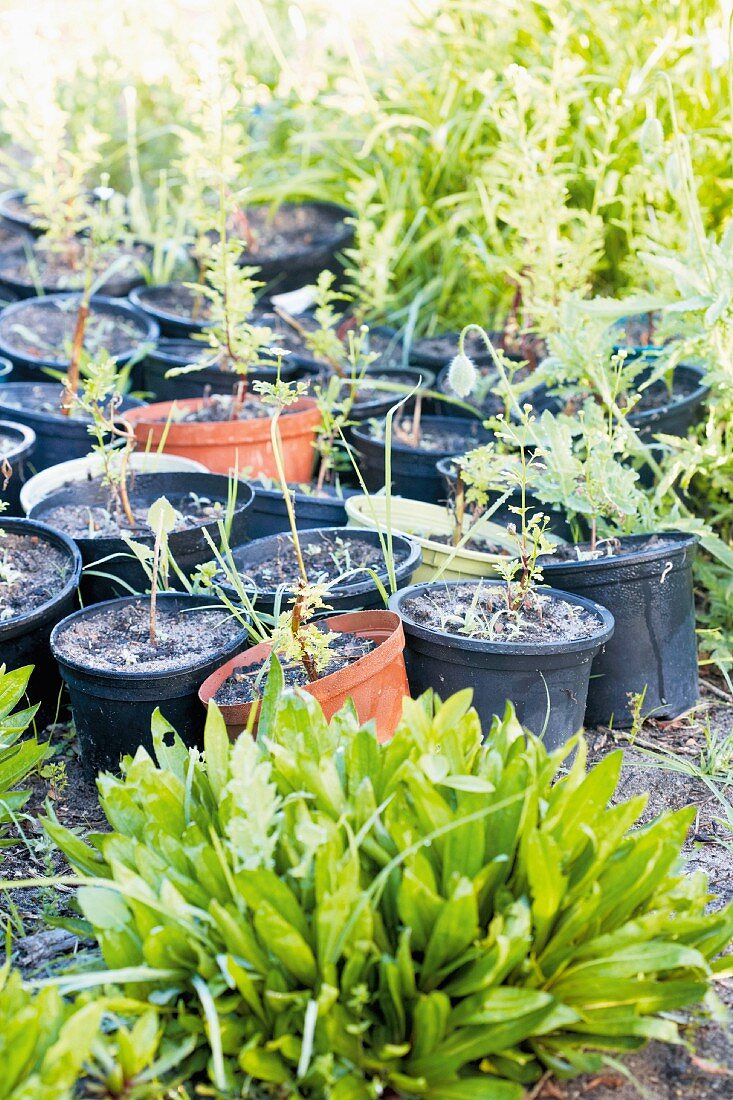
462,376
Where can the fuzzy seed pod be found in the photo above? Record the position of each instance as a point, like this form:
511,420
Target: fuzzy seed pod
462,375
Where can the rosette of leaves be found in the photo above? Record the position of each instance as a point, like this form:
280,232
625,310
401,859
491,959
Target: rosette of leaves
443,915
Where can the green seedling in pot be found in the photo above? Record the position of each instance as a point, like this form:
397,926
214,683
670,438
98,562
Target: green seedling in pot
99,399
296,635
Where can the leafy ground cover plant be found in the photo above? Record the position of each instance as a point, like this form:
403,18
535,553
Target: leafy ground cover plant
439,914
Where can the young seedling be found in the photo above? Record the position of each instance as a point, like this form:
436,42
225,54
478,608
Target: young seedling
100,401
296,635
162,518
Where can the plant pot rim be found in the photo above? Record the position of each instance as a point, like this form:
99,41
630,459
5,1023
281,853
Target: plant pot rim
362,622
23,526
143,298
341,231
520,649
25,444
114,305
352,587
682,540
141,537
194,601
15,219
155,416
452,423
92,464
641,417
276,493
353,510
128,403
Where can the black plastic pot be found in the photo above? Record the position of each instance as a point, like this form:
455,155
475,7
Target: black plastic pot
268,514
174,325
179,353
24,640
24,440
547,683
414,472
118,285
113,710
672,418
357,593
57,437
558,520
654,648
302,264
29,368
18,218
110,567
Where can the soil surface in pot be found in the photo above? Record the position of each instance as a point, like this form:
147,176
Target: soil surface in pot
117,638
220,408
477,543
39,331
271,236
60,270
327,558
445,345
605,548
656,396
244,685
456,610
441,440
38,399
32,572
95,521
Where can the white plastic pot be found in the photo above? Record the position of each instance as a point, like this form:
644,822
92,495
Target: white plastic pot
419,521
41,485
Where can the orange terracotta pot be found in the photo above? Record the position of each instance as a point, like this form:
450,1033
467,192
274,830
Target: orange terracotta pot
225,446
376,682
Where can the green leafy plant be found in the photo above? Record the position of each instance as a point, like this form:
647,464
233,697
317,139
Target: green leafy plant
444,915
18,758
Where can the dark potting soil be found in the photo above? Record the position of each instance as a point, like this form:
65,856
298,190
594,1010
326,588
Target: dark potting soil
181,302
31,573
656,396
63,270
439,440
219,408
42,332
445,345
43,397
326,558
542,619
244,685
605,548
117,638
478,544
96,521
269,236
